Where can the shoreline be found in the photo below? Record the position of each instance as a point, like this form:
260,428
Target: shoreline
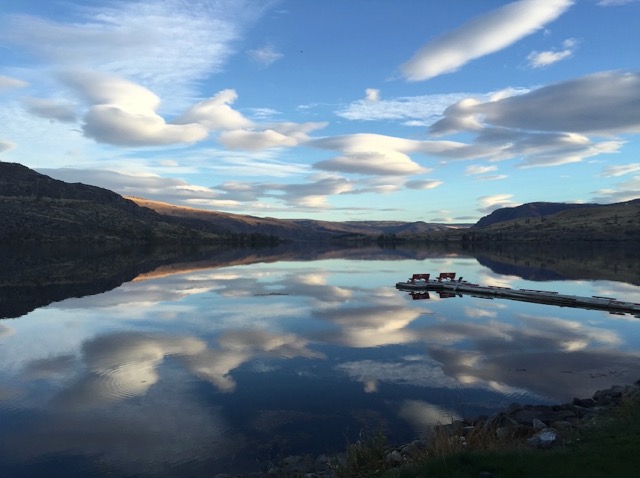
536,427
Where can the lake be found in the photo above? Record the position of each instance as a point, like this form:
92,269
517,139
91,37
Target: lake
155,364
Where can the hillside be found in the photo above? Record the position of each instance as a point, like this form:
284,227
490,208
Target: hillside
227,222
301,229
533,209
37,208
619,222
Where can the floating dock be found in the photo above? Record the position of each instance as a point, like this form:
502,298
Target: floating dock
446,285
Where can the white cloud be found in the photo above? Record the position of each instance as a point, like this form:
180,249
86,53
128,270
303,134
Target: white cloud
166,46
423,184
265,55
6,146
51,109
425,107
285,134
620,170
546,58
483,35
124,113
371,162
475,169
372,94
490,203
215,113
548,126
376,154
6,82
171,190
624,191
611,3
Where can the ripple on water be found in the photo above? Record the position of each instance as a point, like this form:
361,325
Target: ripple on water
10,400
126,381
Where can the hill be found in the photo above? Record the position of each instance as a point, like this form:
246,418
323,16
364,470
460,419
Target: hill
37,208
298,229
618,222
533,209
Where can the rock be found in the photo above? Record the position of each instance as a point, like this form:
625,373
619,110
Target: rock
584,402
524,417
562,426
538,425
543,439
394,458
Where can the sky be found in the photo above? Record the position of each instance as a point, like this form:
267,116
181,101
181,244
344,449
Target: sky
410,110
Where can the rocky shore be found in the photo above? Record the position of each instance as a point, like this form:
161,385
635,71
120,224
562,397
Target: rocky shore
533,426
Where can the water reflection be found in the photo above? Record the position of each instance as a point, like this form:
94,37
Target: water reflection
210,366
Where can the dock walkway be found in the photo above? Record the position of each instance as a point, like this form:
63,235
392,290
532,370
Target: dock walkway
448,286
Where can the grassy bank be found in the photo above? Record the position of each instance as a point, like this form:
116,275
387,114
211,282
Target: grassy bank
607,444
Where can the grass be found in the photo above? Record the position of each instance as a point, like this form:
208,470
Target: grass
606,446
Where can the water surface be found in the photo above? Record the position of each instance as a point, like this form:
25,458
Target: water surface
220,365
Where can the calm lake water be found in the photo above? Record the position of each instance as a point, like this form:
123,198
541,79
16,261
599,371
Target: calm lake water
214,366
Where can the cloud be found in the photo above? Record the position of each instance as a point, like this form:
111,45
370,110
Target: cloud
312,194
51,109
274,135
215,113
372,94
488,204
166,46
475,169
423,184
391,163
124,113
123,365
548,126
6,83
6,146
171,190
604,103
425,107
373,154
6,331
481,36
624,191
620,170
546,58
265,55
612,3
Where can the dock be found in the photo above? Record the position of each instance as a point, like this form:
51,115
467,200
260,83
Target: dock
446,285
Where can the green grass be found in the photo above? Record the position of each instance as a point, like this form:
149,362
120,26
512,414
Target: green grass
609,446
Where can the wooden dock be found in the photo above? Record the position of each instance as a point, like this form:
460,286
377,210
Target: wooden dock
446,285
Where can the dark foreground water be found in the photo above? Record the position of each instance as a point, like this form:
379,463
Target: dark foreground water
222,365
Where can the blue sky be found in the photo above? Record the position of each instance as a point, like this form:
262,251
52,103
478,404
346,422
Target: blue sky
433,110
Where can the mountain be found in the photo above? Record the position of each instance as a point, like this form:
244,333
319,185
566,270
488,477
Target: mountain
295,229
532,209
37,208
618,222
226,222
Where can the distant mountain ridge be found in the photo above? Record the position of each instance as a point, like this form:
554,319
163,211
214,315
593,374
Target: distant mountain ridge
617,222
37,208
308,229
532,209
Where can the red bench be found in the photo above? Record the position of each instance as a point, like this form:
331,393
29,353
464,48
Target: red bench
415,277
447,275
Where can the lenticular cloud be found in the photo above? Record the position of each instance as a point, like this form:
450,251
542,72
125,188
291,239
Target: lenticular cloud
481,36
